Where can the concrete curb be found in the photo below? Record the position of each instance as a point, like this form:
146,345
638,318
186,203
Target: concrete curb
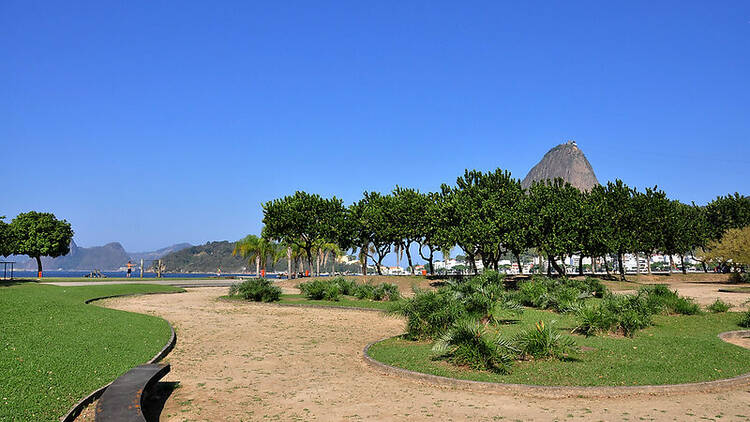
78,407
557,392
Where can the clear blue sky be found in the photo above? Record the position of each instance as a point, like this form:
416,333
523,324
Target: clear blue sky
152,123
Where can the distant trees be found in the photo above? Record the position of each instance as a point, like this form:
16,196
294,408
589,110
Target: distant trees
733,247
490,216
257,249
38,234
7,242
303,220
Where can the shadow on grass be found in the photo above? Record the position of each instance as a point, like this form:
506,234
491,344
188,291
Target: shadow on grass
16,281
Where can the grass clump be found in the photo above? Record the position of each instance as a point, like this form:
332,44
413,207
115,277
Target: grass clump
718,306
661,299
256,289
543,341
561,295
429,313
744,320
321,290
625,314
470,343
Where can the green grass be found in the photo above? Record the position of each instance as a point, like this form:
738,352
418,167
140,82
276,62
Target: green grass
677,349
54,349
106,279
345,302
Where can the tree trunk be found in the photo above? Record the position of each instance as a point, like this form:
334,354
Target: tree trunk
682,262
317,263
432,267
705,268
621,266
671,264
408,258
580,265
648,263
257,265
549,267
606,266
637,264
554,264
39,266
518,261
289,263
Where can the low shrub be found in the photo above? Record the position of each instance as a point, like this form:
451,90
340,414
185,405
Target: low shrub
484,297
320,290
386,291
469,343
364,291
718,306
624,313
561,295
544,342
429,313
661,299
744,320
346,286
256,289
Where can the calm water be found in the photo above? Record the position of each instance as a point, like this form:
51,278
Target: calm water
111,274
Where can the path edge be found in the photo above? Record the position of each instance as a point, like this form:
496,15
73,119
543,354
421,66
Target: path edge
77,408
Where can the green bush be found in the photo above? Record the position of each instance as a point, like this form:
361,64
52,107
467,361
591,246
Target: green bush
346,286
320,290
429,313
661,299
364,291
624,313
469,343
718,306
386,291
594,319
256,289
561,295
544,342
744,320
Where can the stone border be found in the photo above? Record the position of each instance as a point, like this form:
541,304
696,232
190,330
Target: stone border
558,392
78,407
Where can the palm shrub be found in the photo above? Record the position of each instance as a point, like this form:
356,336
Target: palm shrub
594,319
346,286
661,299
429,313
469,343
719,306
544,342
364,291
484,297
561,295
256,289
624,313
386,291
320,290
744,320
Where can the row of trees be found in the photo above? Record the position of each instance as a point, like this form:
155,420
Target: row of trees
489,214
35,234
265,252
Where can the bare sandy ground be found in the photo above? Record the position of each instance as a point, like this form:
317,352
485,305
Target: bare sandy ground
247,361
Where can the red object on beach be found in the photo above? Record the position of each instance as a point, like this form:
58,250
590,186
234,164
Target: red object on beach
263,272
424,272
307,273
40,274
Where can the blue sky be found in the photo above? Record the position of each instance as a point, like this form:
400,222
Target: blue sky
152,123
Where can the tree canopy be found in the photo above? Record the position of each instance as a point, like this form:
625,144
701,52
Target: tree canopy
39,234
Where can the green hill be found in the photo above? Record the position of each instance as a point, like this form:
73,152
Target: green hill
205,258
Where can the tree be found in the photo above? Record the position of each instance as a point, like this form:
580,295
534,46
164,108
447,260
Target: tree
371,225
727,212
733,247
7,241
39,234
556,219
302,220
257,249
619,209
678,237
407,205
651,210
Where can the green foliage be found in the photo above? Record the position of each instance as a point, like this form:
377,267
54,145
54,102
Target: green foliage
661,299
320,290
256,289
727,212
718,306
386,291
744,319
484,297
737,277
39,234
7,240
562,294
469,343
346,286
429,313
544,341
617,313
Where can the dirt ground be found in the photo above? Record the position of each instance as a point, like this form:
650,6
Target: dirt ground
248,361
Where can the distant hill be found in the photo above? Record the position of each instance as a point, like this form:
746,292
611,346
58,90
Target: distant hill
566,161
111,256
205,258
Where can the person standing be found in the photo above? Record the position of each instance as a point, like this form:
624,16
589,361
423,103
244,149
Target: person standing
130,268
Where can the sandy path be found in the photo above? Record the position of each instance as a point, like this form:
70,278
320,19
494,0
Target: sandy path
240,362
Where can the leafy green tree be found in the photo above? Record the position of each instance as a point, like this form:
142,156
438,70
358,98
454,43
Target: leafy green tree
372,227
429,222
407,206
733,247
651,210
679,233
257,249
620,210
302,220
556,219
595,227
727,212
7,241
39,234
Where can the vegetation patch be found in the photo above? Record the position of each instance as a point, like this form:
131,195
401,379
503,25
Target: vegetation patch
54,349
333,289
256,289
718,306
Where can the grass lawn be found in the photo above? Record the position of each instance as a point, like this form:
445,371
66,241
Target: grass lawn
54,349
678,349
